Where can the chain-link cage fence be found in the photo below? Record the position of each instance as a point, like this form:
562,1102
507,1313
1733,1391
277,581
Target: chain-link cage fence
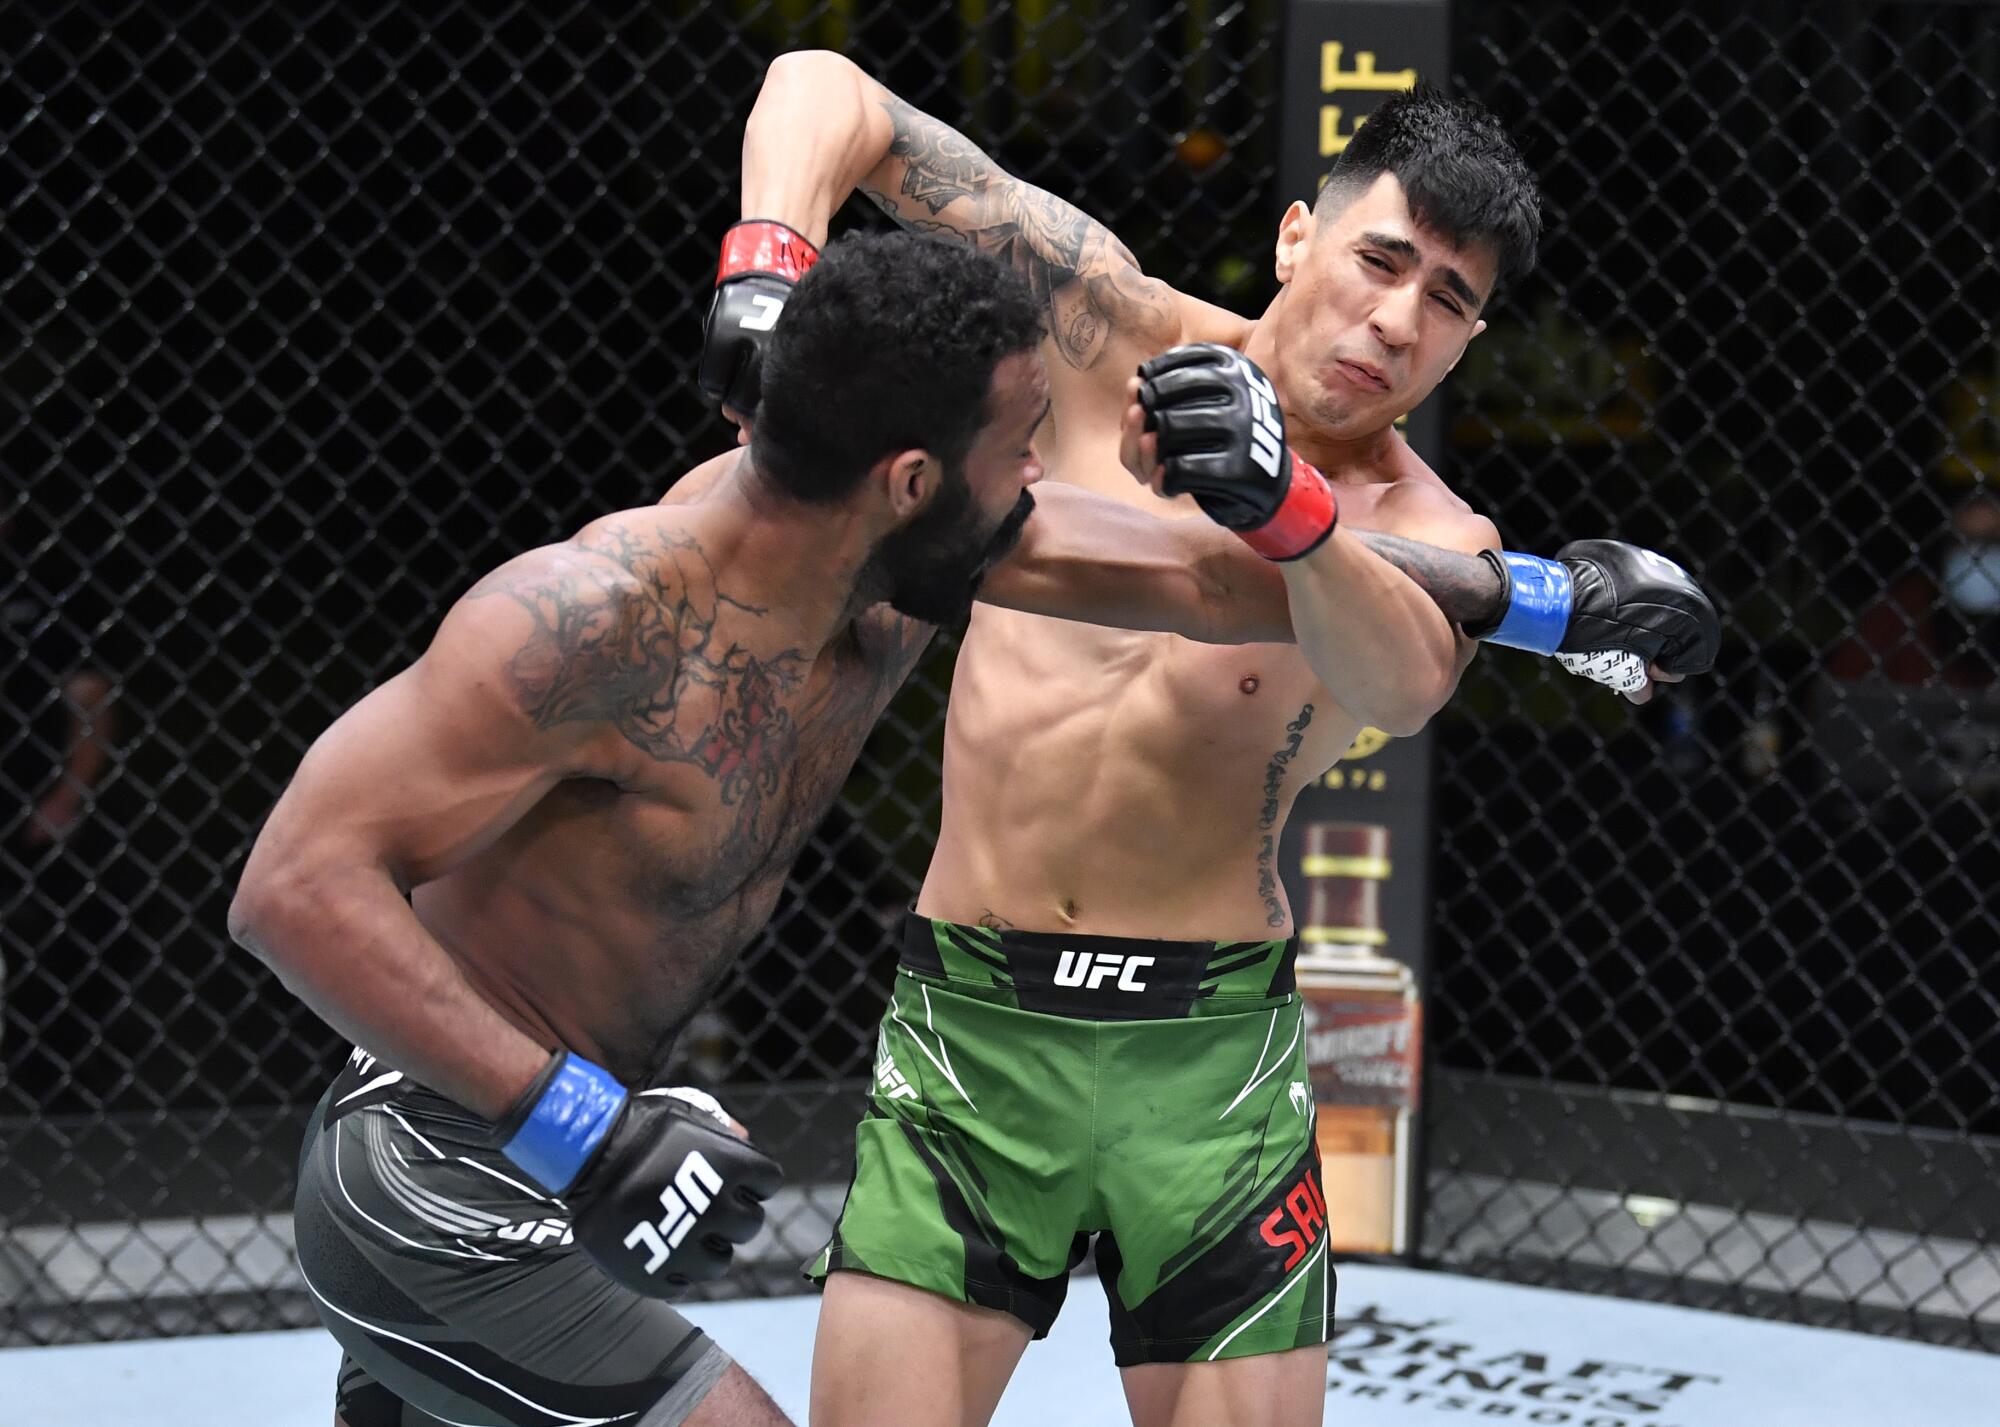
315,312
1720,981
312,314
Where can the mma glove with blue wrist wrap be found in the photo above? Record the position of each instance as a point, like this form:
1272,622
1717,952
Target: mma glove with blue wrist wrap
659,1189
1604,594
761,262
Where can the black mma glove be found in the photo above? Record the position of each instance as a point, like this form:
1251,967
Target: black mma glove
1627,597
1600,595
659,1189
1222,441
761,260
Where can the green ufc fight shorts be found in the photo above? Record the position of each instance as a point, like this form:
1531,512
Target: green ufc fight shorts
1035,1089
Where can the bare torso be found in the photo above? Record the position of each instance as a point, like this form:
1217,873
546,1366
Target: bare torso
1131,784
605,915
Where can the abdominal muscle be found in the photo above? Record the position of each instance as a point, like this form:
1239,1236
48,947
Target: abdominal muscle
1113,783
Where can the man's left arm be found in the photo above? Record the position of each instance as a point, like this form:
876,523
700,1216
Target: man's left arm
1376,639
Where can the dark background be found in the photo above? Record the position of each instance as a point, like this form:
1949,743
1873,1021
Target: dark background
309,316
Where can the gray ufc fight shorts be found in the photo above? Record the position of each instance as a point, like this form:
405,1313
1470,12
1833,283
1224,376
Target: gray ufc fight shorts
453,1284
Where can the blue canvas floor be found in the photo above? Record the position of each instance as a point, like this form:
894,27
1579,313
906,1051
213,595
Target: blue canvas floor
1414,1348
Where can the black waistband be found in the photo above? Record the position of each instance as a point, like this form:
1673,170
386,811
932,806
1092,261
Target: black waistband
1112,978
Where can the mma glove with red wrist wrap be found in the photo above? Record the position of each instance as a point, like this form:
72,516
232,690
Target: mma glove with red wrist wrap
1222,441
761,261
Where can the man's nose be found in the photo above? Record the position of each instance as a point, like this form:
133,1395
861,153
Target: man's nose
1395,319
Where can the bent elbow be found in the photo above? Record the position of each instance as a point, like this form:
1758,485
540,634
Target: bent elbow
1402,721
267,901
1418,703
250,918
807,66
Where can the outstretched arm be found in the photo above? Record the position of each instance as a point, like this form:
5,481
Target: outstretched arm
1089,558
1086,557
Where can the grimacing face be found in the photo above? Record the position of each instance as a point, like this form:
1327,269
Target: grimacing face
1377,310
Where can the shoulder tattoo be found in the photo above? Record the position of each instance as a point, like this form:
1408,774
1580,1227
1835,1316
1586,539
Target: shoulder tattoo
626,634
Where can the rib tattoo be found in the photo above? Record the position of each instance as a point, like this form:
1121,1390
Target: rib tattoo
1267,816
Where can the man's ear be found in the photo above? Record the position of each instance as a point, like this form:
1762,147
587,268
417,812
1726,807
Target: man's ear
1294,231
909,480
1477,328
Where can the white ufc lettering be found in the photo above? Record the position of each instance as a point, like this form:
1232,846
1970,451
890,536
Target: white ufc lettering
769,309
538,1231
1094,968
694,1188
1267,441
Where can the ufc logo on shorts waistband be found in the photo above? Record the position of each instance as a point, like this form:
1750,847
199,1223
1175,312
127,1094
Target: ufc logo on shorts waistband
1094,968
694,1188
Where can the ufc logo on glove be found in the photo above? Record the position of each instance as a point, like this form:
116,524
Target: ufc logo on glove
694,1188
769,310
610,1156
1267,432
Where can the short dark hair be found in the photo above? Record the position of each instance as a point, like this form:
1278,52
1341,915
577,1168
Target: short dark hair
1463,175
888,344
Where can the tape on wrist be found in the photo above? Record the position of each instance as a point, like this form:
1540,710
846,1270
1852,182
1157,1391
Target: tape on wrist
1537,615
1302,520
571,1113
764,245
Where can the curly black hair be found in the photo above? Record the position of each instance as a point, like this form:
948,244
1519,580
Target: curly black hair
888,344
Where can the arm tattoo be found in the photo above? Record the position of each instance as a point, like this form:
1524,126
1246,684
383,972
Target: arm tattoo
1465,587
1087,282
1268,816
625,635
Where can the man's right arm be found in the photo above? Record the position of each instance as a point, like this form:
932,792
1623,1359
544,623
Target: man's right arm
821,129
422,773
1085,557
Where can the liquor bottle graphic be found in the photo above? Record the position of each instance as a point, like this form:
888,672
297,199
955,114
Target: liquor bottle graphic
1363,1038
